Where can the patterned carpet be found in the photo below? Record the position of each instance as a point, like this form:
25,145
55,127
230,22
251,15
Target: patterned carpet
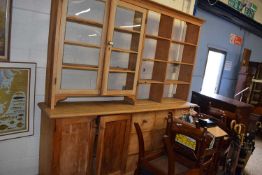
254,165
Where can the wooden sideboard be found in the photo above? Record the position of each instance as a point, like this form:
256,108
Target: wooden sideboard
99,137
137,50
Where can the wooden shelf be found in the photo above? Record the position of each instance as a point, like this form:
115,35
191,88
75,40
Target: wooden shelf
183,43
127,30
85,109
82,44
175,82
79,67
157,37
124,50
154,60
120,70
179,62
84,21
147,81
169,62
171,100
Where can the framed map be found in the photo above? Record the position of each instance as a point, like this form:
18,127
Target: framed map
5,21
17,94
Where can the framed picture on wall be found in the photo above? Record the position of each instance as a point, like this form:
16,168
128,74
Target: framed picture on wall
17,96
5,25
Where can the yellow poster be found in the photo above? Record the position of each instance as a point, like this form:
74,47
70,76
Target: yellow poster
13,102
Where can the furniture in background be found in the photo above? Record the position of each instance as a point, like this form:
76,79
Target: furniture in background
159,163
249,84
244,77
138,52
242,139
241,110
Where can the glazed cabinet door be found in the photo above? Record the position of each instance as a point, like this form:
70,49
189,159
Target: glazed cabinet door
80,57
73,146
112,144
123,50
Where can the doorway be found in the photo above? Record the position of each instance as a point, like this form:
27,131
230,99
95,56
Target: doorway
213,71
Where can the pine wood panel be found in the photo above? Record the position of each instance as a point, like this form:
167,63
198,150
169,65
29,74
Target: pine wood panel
82,109
192,33
159,8
73,146
134,52
157,139
182,91
46,142
131,163
133,142
161,119
112,144
162,52
146,121
53,45
188,55
185,73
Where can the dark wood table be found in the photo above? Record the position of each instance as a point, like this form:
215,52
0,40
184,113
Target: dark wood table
241,109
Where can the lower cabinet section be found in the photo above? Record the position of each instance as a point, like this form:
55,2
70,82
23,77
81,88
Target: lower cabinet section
112,144
99,145
73,150
66,146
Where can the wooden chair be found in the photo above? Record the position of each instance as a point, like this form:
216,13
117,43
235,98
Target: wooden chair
222,119
157,163
197,156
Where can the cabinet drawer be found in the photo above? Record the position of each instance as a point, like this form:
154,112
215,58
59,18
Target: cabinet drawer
133,142
161,119
145,120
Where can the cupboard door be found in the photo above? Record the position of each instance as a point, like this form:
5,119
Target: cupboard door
73,147
123,50
112,144
81,52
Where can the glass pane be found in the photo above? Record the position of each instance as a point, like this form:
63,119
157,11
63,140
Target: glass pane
89,9
128,19
169,90
149,48
176,52
146,70
83,33
121,60
78,79
143,91
153,20
179,30
172,72
80,55
117,81
124,41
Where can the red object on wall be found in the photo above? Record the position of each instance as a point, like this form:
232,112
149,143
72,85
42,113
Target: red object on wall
235,39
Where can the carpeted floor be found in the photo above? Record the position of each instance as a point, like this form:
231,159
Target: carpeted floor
254,165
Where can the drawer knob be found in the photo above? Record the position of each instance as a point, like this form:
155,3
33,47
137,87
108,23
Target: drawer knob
144,121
